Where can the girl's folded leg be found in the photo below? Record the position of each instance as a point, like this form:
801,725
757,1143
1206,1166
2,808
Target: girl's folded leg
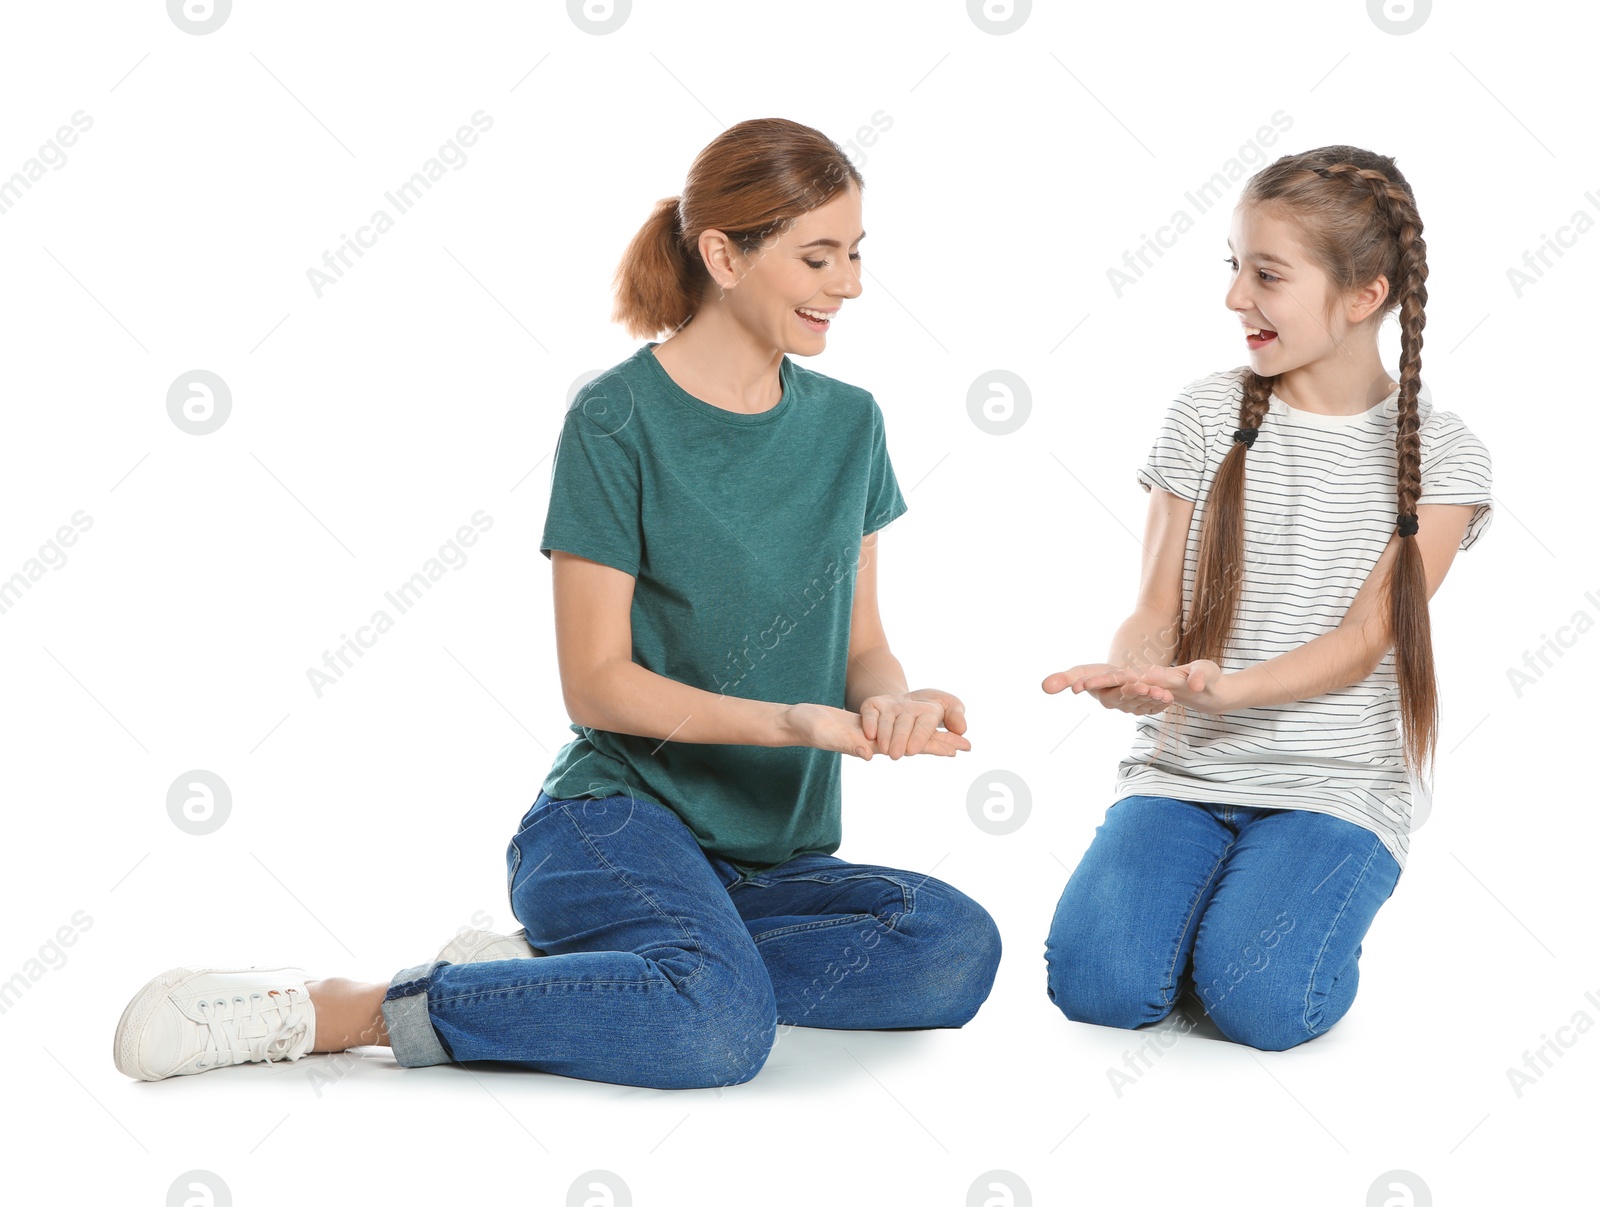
1123,930
1275,961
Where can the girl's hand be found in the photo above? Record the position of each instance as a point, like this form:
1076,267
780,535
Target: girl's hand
1199,684
909,724
1115,687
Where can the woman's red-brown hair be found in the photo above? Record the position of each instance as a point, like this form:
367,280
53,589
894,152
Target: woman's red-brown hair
1357,218
750,182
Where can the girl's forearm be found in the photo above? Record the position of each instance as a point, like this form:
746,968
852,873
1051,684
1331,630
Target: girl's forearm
1335,659
623,697
1145,639
874,672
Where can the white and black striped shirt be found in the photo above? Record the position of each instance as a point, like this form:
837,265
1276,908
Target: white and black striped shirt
1319,510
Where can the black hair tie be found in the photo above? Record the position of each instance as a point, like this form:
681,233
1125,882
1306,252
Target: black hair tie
1246,436
1408,525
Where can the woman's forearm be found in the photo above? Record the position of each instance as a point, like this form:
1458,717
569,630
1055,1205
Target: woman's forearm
874,672
623,697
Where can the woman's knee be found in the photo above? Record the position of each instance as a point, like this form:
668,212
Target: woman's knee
722,1036
957,955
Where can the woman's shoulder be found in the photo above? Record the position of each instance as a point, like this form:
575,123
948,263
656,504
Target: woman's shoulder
813,382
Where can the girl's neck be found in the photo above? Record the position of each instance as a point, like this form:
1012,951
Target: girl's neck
1336,385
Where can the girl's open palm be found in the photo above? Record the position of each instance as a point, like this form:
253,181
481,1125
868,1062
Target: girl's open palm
1115,687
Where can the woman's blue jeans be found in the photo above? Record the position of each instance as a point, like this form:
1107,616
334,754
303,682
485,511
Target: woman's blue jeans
668,968
1261,911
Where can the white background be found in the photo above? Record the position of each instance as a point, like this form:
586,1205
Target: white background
370,423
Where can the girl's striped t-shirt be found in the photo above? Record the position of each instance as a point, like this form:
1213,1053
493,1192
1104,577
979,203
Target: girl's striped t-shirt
1320,507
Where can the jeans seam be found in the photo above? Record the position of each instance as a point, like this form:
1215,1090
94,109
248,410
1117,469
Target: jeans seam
1316,965
1177,950
908,896
820,924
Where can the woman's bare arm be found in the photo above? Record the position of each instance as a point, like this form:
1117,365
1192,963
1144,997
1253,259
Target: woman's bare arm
603,688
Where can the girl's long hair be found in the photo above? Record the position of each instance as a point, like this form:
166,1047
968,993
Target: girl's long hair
1357,217
751,182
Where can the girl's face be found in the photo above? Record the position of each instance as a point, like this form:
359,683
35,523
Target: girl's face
814,265
1277,288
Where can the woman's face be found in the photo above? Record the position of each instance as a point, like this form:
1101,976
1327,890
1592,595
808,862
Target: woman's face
1277,288
814,265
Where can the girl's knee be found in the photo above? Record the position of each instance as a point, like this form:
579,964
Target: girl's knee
1267,1025
1275,1012
1097,976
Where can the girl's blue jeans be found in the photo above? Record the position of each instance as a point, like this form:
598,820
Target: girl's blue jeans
668,968
1261,911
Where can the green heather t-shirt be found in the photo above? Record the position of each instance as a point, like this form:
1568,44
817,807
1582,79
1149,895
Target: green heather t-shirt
743,533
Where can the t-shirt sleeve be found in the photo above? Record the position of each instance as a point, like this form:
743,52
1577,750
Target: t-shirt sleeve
1456,469
594,496
885,503
1177,459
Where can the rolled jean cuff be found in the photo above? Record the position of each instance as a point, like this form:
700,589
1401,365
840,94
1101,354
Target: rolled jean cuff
405,1013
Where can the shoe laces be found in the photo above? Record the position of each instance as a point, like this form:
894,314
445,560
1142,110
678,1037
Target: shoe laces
246,1032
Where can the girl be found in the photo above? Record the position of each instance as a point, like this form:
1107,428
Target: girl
712,534
1302,511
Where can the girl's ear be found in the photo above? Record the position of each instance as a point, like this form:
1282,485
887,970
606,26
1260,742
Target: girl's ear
1368,299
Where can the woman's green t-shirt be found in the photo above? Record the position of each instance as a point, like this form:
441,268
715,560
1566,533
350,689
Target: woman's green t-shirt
742,532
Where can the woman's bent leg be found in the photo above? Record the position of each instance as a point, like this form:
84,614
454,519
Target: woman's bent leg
1275,961
650,977
1124,927
860,946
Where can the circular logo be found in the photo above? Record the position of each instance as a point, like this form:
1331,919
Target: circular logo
999,1188
1421,808
999,401
199,16
999,802
599,16
578,382
599,1188
199,401
199,802
1399,1188
1399,16
609,403
999,16
604,816
199,1188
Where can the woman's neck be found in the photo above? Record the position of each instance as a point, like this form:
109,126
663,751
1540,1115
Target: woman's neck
718,363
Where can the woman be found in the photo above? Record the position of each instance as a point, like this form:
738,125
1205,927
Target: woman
712,534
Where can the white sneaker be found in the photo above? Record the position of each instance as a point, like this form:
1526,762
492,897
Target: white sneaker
475,946
189,1020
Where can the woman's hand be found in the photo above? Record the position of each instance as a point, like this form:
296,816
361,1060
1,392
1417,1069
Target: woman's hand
1115,687
839,729
1199,685
909,723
